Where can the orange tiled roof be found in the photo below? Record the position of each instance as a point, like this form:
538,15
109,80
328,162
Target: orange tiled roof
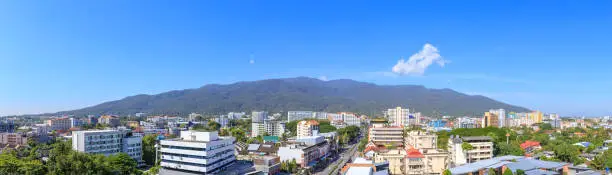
414,153
529,143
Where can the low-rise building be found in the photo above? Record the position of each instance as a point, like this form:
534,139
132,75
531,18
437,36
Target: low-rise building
386,135
482,149
13,138
304,154
526,164
63,123
421,140
196,153
108,142
112,121
361,166
133,124
269,165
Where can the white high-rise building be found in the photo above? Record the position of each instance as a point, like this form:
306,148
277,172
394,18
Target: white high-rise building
272,127
196,153
107,142
398,116
259,116
257,129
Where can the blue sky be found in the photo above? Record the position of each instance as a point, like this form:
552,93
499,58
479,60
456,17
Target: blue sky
553,56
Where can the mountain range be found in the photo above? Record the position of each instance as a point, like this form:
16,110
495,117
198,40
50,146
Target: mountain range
302,93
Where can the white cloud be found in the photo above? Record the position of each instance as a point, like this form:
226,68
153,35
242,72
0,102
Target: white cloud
418,62
324,78
252,61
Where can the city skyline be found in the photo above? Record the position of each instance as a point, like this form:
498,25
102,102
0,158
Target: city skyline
57,56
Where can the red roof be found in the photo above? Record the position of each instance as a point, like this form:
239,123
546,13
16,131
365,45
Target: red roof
414,153
529,143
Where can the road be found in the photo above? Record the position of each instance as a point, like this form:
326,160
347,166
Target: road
344,158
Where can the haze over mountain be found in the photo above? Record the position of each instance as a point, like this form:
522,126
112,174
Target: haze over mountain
281,95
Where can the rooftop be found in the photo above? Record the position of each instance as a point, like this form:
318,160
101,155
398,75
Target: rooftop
512,162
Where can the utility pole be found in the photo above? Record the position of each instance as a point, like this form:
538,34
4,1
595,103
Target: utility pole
507,138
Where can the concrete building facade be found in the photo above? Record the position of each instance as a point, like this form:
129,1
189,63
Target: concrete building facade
196,153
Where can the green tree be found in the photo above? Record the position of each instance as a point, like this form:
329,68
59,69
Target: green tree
122,163
259,139
239,134
447,172
293,166
213,126
508,149
466,146
491,171
520,172
148,148
545,126
507,171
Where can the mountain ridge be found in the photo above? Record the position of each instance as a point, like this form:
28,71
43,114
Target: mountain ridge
300,93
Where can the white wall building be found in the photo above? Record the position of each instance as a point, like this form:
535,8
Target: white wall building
259,116
107,142
482,149
299,115
196,153
397,116
350,119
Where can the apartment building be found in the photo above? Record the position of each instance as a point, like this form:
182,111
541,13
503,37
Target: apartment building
386,135
307,128
258,116
196,153
482,149
434,160
75,122
108,142
501,117
63,123
258,129
397,115
275,127
7,126
269,126
414,162
112,121
490,120
13,139
421,140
